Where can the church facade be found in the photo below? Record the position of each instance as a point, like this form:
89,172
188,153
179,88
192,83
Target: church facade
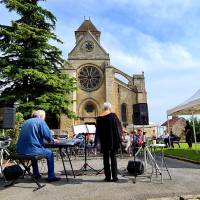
97,83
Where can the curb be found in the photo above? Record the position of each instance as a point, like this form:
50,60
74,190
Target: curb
184,197
183,159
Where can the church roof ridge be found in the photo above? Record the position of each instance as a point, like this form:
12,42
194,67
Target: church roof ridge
87,25
98,43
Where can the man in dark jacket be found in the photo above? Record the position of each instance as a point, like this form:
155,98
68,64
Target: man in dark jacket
108,133
188,134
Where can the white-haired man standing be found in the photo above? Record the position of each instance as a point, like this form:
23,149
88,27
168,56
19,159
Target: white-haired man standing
108,133
33,133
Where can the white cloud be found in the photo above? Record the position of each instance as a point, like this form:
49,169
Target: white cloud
168,10
171,69
147,53
128,63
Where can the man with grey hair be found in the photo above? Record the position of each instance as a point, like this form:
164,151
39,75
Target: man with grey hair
39,113
107,106
108,134
31,139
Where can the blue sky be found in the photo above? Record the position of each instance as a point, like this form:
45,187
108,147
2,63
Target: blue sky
158,37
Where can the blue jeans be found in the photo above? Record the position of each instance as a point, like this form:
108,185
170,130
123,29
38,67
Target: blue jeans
50,164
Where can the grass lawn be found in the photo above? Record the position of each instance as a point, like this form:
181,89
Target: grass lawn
183,152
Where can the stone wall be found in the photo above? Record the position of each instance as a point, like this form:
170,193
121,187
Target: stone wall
179,128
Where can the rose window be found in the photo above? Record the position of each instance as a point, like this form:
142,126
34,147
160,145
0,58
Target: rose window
90,78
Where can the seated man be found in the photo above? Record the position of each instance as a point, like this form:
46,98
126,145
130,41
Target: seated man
173,137
125,141
33,134
166,139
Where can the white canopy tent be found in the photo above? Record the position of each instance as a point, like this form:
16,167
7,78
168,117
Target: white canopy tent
189,107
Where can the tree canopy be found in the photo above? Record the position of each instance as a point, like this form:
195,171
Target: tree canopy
30,66
197,127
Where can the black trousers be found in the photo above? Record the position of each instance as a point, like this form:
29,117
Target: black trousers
110,155
189,143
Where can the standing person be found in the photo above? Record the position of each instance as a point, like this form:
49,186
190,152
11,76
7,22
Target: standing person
140,139
135,142
188,134
33,134
108,133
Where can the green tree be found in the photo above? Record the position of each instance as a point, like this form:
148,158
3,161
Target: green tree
197,127
30,66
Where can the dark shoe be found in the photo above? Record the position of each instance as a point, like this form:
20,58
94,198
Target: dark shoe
54,179
115,179
107,179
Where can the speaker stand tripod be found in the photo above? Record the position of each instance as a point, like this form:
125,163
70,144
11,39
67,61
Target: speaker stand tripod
155,167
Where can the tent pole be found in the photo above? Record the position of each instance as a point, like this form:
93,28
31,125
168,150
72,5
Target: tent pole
158,132
168,130
194,131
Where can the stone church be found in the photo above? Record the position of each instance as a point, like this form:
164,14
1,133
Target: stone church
97,83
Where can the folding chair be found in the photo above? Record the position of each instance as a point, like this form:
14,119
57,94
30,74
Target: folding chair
26,161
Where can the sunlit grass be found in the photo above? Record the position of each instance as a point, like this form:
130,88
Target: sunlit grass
183,152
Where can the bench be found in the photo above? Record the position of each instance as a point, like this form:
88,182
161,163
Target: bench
177,141
25,161
173,141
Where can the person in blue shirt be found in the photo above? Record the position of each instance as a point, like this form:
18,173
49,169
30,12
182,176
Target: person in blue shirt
34,133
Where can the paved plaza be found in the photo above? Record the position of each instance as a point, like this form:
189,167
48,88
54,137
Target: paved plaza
185,180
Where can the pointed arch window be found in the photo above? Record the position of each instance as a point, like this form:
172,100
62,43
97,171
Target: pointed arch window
124,112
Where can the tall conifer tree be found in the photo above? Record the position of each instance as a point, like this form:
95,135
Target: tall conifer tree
31,67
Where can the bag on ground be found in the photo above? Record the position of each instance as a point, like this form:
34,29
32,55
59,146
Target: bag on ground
12,172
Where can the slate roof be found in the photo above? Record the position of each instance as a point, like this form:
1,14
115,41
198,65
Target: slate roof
87,25
172,122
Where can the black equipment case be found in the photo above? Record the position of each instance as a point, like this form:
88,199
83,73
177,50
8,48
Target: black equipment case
135,167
